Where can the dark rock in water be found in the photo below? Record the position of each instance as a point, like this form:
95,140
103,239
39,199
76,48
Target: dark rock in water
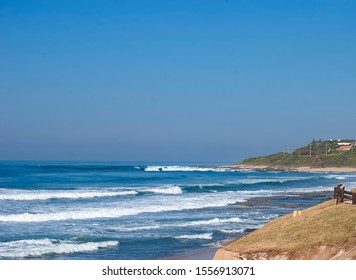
255,202
249,230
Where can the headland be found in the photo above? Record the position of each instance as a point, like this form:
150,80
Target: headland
318,156
325,231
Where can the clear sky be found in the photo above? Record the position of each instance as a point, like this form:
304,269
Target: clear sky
182,80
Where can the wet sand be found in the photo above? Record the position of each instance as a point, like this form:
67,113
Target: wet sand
198,254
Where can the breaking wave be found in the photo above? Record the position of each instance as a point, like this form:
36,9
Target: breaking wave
228,231
39,247
165,190
196,236
185,168
96,213
129,229
31,195
215,221
281,180
211,222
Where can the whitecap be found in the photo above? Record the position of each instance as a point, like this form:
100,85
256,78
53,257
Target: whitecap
232,230
170,189
211,222
39,247
128,229
196,236
252,181
46,195
185,168
114,212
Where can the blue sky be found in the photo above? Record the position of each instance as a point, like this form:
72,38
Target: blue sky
173,80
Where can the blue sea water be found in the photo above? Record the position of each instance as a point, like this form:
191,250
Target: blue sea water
118,210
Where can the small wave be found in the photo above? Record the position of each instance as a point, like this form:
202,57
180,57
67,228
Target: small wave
87,167
252,181
276,181
217,244
39,247
165,190
202,186
126,229
310,189
262,192
232,230
196,236
211,222
115,212
68,215
185,168
188,224
28,195
338,177
269,217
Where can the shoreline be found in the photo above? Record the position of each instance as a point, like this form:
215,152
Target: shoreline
293,169
207,253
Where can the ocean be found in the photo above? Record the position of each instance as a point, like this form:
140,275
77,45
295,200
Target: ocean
138,210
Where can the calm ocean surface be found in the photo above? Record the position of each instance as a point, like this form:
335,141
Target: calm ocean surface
107,210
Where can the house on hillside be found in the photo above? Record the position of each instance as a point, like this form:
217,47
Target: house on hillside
345,148
344,144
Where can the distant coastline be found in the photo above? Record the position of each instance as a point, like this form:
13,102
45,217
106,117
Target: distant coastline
318,156
296,169
290,238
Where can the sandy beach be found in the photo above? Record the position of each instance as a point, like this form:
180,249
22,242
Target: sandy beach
298,169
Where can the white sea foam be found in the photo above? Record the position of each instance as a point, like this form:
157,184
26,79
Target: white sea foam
126,229
45,195
351,185
339,176
196,236
334,176
185,168
310,189
215,221
39,247
156,204
68,215
232,230
217,244
115,212
270,216
211,222
201,186
173,189
251,181
257,193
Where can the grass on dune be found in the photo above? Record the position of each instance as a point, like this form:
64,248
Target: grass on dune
326,224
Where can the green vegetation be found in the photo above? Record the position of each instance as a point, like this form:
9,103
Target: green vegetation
316,154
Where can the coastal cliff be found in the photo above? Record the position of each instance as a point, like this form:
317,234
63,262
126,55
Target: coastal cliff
325,231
